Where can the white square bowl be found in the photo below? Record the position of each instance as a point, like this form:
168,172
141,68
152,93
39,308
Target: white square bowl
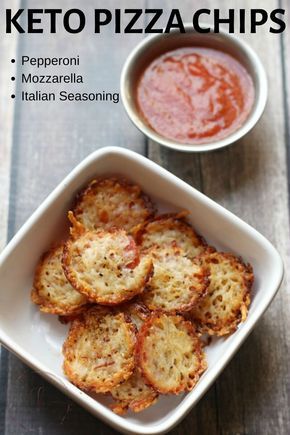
37,338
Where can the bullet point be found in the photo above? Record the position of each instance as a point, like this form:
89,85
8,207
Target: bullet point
12,96
13,78
12,60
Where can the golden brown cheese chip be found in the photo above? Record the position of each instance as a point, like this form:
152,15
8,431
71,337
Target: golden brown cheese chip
71,317
99,350
169,354
226,303
137,312
51,290
170,230
106,266
112,202
177,282
133,394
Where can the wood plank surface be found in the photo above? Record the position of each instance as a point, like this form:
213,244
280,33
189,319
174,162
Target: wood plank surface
252,395
285,42
8,47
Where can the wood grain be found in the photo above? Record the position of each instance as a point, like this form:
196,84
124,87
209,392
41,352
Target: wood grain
285,42
252,395
8,47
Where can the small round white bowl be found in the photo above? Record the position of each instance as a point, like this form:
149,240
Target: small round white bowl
155,45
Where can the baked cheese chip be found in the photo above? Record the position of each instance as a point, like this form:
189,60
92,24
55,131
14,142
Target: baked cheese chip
112,202
169,353
99,350
177,283
106,266
137,312
226,303
170,230
133,395
51,290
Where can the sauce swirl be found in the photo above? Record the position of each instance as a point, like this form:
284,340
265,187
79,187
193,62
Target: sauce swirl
195,95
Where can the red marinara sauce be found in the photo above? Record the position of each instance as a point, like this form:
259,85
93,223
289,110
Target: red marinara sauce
195,95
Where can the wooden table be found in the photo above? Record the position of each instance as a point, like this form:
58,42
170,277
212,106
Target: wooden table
41,143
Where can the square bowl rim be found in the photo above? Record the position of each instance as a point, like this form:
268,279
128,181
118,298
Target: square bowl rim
187,403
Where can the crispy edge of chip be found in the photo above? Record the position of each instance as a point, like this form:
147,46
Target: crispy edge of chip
65,319
85,290
140,356
44,306
182,309
228,328
122,407
139,231
76,229
123,182
140,309
68,345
